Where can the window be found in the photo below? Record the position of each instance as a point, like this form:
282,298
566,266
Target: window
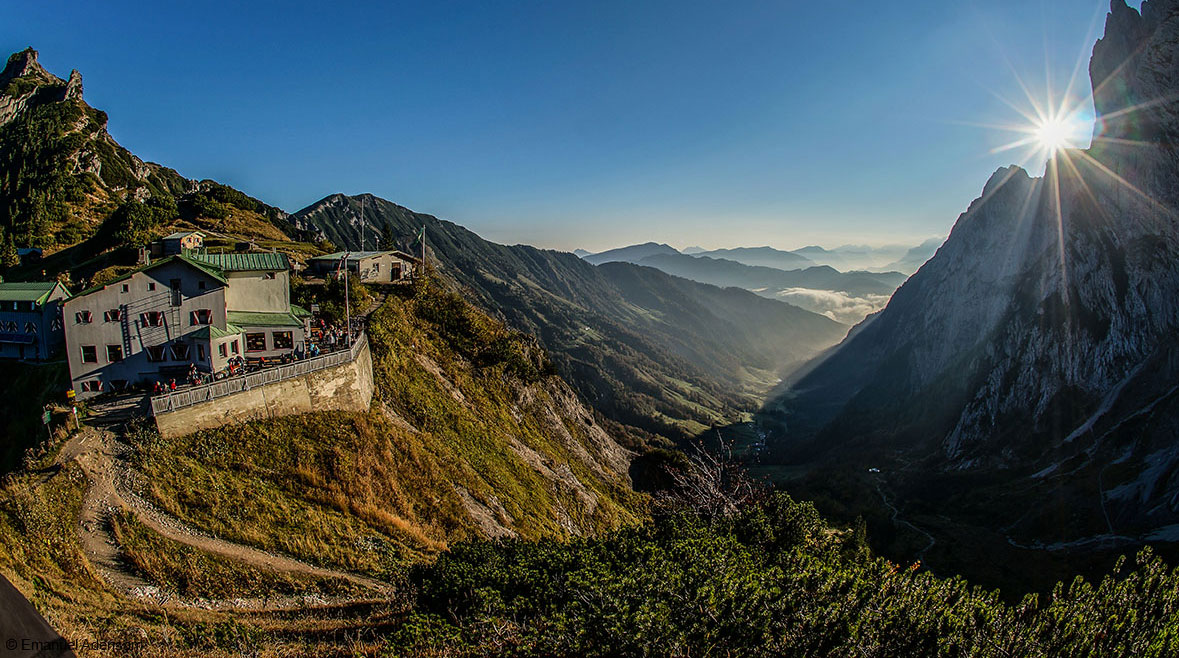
155,353
56,324
30,327
92,386
255,342
234,347
126,287
89,354
114,353
179,352
174,285
223,350
376,268
282,340
24,306
151,286
201,316
113,315
83,317
152,319
270,275
201,352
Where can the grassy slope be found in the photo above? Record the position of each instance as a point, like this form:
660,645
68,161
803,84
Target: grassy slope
370,491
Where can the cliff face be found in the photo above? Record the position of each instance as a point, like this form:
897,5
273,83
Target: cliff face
1038,345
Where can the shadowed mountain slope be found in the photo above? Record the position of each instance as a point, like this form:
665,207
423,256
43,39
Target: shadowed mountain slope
658,354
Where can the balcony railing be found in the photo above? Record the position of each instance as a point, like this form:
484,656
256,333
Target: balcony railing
218,389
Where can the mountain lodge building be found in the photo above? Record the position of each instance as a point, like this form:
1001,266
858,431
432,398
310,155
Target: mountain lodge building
155,323
367,266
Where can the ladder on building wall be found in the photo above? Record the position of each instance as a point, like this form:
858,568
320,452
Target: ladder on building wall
172,323
125,321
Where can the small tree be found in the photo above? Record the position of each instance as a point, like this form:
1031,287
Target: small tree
8,255
387,240
711,483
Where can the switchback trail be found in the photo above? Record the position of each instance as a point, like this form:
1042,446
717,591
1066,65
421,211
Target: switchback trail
110,487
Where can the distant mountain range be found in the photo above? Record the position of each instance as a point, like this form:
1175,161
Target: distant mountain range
844,296
761,257
1023,383
786,276
894,258
631,254
914,258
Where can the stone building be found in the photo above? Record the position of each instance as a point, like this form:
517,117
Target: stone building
30,319
368,266
158,321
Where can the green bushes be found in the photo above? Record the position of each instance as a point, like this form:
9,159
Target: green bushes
134,223
772,581
202,205
478,337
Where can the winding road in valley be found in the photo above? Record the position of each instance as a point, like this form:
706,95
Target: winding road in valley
897,519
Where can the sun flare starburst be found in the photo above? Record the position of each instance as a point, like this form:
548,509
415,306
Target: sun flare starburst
1056,133
1046,131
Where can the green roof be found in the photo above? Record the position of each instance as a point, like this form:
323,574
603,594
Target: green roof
257,319
207,268
37,292
234,262
299,311
215,333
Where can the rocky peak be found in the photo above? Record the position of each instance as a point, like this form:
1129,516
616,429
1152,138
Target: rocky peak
74,86
24,64
1131,70
25,84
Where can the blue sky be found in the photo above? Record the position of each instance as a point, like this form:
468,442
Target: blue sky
591,124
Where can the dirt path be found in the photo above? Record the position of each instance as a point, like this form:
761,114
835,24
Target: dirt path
111,487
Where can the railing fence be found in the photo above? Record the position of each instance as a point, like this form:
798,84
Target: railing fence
218,389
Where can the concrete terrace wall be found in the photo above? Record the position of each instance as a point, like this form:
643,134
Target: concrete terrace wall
345,387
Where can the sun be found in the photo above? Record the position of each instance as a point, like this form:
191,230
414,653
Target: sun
1049,129
1055,133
